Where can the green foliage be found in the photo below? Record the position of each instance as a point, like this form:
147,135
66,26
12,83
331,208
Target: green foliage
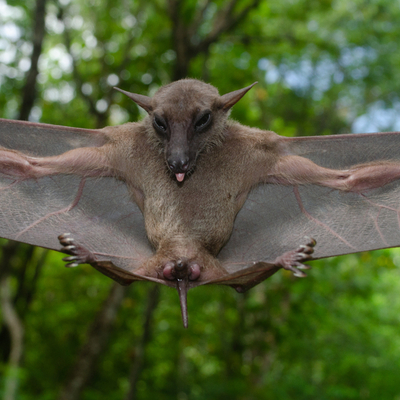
323,67
333,335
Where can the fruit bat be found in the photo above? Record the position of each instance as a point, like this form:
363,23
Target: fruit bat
188,197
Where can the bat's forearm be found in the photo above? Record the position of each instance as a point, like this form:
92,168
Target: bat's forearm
88,162
82,161
295,170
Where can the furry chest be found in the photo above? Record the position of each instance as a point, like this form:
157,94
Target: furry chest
205,216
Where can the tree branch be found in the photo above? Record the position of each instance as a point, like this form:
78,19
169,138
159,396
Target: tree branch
198,19
183,35
224,22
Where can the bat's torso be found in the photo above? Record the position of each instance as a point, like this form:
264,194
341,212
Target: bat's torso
200,209
203,207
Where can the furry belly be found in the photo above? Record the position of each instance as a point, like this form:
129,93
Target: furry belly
210,227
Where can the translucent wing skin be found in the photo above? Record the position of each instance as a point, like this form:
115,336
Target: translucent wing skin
98,212
45,140
101,216
275,218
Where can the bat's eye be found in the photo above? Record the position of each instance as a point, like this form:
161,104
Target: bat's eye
203,122
159,124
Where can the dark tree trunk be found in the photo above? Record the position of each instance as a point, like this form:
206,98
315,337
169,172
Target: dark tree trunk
96,341
29,90
140,349
12,322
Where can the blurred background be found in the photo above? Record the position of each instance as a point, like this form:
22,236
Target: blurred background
323,67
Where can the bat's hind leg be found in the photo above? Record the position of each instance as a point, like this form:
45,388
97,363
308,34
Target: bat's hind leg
292,260
77,253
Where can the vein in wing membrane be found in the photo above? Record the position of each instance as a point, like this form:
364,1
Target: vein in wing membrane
97,212
275,219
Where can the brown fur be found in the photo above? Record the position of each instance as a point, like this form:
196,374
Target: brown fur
192,219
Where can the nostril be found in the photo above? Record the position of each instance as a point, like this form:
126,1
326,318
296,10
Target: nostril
185,166
178,165
172,165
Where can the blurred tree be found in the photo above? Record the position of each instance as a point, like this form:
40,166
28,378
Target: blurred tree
94,345
12,331
38,32
323,67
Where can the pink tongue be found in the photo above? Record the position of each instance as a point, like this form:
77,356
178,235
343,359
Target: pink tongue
180,177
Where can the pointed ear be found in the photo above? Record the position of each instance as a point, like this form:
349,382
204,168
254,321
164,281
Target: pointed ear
228,100
139,99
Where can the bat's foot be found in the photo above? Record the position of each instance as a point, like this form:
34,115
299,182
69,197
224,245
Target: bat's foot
78,254
292,260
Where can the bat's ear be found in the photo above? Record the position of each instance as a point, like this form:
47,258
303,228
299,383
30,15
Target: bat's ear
139,99
228,100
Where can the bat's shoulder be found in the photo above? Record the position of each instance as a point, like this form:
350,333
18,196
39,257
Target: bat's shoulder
127,143
124,132
254,139
256,152
131,138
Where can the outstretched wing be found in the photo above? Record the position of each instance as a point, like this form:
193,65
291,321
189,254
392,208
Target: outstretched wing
98,212
275,218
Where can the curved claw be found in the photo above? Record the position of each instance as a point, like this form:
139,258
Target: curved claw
310,241
65,239
70,258
70,248
296,271
303,266
71,265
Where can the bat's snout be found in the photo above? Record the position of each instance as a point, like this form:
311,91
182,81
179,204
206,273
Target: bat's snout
179,166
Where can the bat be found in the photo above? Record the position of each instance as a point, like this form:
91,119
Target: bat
188,197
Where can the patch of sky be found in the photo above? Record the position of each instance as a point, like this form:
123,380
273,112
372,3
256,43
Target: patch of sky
378,118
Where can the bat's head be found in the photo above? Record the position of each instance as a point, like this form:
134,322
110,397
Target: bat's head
187,117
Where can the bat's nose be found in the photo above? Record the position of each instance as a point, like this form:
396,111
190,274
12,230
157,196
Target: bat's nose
178,165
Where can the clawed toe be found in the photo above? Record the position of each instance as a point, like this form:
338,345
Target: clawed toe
65,239
295,268
77,254
292,260
303,266
308,248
